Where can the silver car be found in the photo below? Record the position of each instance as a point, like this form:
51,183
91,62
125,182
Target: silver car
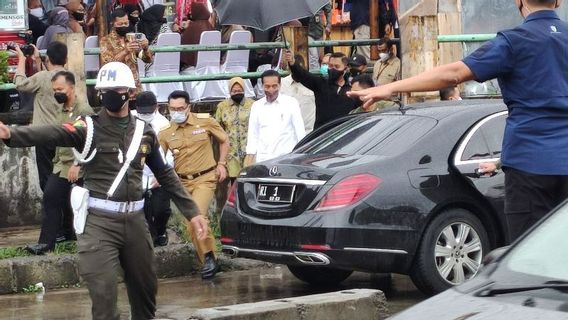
529,280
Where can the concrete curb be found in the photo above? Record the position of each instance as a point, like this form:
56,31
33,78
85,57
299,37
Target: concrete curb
56,271
360,304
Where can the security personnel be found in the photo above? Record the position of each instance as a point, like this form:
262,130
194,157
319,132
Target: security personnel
115,235
188,140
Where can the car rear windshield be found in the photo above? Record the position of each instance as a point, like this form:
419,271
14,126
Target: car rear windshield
383,135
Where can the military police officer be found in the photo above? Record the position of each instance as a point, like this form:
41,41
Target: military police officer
115,234
189,141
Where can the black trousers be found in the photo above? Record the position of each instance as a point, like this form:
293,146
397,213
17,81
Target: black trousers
157,211
56,210
44,161
529,197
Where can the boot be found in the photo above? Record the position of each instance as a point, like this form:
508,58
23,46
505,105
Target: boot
161,240
210,266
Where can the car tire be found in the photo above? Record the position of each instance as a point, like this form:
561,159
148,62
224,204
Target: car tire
445,258
320,276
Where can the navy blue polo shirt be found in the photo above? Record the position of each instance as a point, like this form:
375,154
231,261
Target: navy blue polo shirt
531,65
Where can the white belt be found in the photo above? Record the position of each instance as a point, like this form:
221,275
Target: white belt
115,206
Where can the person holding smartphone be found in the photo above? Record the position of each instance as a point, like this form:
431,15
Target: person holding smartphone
123,45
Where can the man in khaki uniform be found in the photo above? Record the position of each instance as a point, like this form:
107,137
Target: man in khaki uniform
387,68
189,141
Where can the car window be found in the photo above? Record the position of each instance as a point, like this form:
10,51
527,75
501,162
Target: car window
541,253
385,134
486,141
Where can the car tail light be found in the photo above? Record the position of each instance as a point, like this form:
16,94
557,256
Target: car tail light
348,191
227,240
232,199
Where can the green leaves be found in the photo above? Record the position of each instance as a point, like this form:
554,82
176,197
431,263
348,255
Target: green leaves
3,67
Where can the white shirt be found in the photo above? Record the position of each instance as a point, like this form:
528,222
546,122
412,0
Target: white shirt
159,123
306,100
274,127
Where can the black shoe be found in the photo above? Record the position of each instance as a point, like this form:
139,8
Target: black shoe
161,240
38,249
210,266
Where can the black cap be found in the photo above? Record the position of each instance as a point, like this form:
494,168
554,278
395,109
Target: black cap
357,60
146,102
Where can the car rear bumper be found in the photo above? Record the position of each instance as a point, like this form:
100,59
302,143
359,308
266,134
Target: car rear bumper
332,241
366,261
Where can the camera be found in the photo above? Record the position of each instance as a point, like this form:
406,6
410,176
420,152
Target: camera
27,49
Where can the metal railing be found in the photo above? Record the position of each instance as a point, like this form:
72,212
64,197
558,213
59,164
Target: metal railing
466,37
221,47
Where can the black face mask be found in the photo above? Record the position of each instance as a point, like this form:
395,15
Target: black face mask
334,75
133,19
122,31
113,101
60,97
238,97
79,16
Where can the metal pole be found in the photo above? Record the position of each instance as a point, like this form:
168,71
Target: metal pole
466,37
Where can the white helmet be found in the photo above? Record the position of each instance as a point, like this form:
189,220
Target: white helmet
115,75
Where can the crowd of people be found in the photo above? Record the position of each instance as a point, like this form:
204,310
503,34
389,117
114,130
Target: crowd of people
175,160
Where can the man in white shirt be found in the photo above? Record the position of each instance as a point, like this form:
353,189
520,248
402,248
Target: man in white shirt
157,208
275,123
305,96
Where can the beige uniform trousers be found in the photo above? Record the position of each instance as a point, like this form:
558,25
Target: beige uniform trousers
202,190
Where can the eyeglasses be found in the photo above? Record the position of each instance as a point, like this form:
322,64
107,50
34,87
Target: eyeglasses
179,109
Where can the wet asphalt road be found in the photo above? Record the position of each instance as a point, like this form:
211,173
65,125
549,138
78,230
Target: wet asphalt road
177,298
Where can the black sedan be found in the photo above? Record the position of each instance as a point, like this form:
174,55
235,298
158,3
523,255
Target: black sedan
381,192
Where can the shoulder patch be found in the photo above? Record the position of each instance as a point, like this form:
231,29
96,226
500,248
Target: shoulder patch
80,123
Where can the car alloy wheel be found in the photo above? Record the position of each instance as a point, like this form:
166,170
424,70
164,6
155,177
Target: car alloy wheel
450,252
458,253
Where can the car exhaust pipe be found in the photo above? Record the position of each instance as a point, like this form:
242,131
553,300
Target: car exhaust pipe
312,258
231,251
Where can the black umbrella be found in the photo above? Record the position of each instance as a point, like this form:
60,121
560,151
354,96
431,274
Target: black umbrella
265,14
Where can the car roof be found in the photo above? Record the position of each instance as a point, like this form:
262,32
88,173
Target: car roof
452,109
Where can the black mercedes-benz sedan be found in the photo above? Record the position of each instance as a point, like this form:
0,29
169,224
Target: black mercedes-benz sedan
390,192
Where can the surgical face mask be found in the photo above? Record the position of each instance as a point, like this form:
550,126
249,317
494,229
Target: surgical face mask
147,117
113,101
37,12
238,97
179,116
60,97
384,56
324,70
334,74
122,31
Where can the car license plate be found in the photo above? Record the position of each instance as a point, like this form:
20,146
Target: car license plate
275,193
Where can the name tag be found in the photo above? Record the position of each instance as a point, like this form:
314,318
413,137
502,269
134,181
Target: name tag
199,131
